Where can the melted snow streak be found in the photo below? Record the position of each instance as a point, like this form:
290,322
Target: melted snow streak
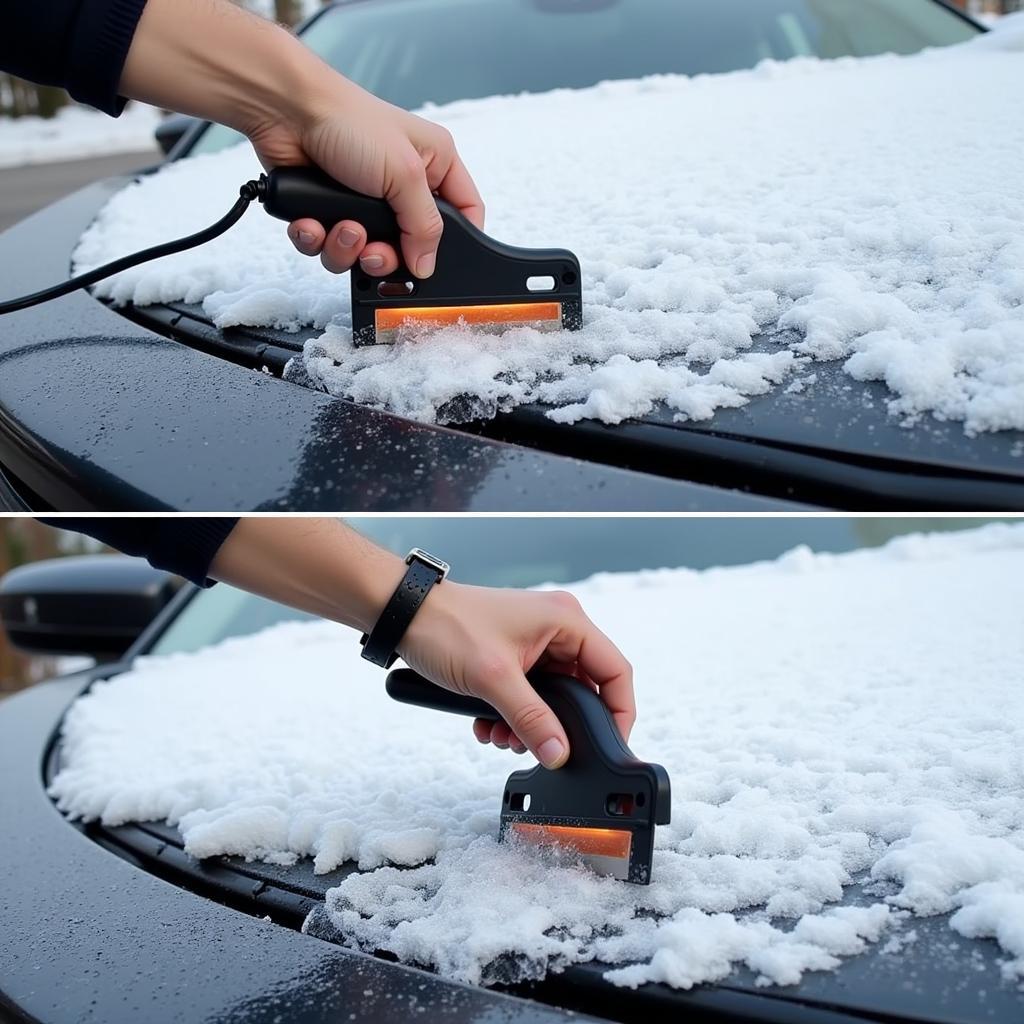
732,229
826,720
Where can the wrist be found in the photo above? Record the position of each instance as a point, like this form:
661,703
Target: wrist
292,83
265,86
423,576
377,580
434,619
319,565
220,62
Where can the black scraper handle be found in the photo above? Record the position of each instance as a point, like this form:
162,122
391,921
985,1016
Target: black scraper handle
584,716
407,687
292,193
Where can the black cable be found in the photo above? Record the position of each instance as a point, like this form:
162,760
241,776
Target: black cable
250,191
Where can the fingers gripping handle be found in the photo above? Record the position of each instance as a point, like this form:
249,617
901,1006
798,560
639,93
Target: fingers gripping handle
586,719
593,735
292,193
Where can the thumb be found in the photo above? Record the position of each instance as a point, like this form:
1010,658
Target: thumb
532,721
418,217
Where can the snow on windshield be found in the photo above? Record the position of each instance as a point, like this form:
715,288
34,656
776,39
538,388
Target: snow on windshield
825,720
732,229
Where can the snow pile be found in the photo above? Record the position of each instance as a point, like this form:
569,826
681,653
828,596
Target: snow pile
77,132
825,720
732,229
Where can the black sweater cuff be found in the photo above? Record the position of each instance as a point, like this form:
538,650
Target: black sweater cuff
184,546
102,35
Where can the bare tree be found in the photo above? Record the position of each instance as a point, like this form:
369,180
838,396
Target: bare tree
19,98
288,12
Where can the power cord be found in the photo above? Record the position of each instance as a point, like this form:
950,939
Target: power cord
248,193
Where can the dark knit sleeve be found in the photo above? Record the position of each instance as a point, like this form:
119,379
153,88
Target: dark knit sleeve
80,45
180,545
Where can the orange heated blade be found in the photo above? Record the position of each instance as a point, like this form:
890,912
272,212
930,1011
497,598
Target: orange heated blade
606,850
542,315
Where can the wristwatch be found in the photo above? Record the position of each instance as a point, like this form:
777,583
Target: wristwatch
423,573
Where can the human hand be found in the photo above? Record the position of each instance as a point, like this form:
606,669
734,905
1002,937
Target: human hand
212,59
481,642
380,150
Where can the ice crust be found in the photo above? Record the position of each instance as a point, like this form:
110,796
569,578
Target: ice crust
825,720
732,229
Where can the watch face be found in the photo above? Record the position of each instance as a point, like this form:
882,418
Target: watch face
443,568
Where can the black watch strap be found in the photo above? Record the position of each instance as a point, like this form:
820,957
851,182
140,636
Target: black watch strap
380,643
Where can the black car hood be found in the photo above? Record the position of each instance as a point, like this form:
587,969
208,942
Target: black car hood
939,977
99,413
835,448
88,936
80,379
833,443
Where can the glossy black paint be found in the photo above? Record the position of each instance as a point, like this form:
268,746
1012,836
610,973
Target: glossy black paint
87,936
100,414
828,453
940,978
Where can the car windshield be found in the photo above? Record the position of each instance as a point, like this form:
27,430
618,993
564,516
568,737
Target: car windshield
522,552
413,52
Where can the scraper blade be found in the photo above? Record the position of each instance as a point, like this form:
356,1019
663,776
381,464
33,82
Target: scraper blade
601,806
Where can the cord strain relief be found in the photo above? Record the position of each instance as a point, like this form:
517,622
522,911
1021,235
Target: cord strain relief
255,189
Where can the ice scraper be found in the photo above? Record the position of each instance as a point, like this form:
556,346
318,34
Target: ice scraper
477,280
602,804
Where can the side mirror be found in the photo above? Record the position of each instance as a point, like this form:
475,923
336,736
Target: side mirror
96,605
171,130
